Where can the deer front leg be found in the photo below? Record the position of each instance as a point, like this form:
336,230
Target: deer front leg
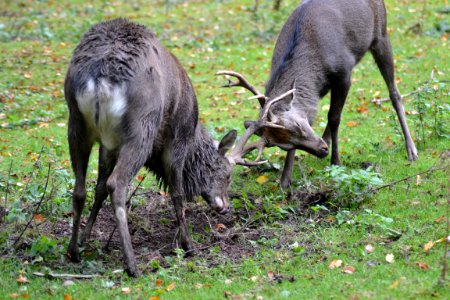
185,238
286,176
338,96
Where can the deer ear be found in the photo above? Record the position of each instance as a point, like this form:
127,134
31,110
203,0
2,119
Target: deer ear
227,142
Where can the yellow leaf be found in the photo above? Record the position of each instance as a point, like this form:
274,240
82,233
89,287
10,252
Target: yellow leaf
441,240
418,180
394,284
337,263
159,282
154,298
170,286
126,290
428,246
390,258
349,270
39,218
262,179
22,279
67,297
351,124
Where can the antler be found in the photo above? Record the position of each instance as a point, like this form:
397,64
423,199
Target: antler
243,82
242,148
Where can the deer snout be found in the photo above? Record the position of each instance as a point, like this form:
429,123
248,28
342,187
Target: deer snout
323,151
221,205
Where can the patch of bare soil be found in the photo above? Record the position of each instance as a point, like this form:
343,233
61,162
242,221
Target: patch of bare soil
153,230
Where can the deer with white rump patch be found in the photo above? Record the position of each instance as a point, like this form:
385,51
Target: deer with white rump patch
315,53
125,91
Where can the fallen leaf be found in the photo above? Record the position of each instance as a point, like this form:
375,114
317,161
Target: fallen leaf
271,275
440,219
369,248
38,217
154,298
126,290
159,282
28,75
418,180
394,284
140,177
254,278
422,265
442,240
170,287
220,226
262,179
349,270
14,295
202,285
337,263
390,258
362,109
26,296
428,246
22,279
67,297
352,124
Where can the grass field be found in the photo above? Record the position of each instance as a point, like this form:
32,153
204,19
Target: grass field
391,241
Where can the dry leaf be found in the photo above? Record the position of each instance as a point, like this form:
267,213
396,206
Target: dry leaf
337,263
390,258
351,124
349,270
154,298
14,295
440,219
159,282
220,226
22,279
428,246
442,240
126,290
394,284
262,179
26,296
271,275
140,177
422,265
369,248
67,297
418,180
170,286
38,217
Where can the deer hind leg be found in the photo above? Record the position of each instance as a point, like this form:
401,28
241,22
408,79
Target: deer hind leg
134,152
80,151
286,176
382,53
339,93
106,164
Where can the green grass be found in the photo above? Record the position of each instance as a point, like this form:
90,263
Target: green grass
37,39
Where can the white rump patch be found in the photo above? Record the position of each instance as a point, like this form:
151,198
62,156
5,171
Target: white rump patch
103,106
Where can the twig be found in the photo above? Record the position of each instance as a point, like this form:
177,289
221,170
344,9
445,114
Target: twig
418,90
72,276
7,188
37,208
390,184
128,204
444,271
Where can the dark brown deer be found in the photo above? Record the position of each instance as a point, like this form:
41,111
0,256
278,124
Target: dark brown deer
125,91
315,53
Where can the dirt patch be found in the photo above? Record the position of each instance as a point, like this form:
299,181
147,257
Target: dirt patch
154,230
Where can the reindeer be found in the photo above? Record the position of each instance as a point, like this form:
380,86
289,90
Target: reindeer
125,91
316,51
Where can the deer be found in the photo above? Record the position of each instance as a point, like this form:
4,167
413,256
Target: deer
315,53
125,91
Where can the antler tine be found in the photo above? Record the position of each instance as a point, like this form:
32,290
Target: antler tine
242,149
273,101
243,82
